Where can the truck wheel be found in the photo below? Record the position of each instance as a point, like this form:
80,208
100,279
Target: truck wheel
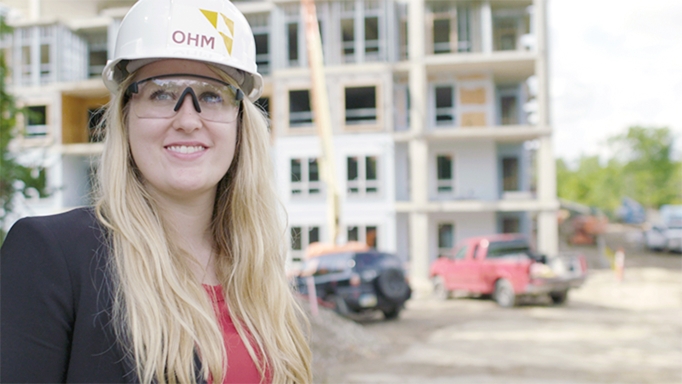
392,285
559,297
393,313
439,290
504,293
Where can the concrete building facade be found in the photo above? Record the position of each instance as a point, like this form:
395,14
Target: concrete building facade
439,115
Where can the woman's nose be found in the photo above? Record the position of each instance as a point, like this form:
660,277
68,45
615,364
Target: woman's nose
187,113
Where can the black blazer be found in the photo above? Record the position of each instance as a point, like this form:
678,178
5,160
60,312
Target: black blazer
55,299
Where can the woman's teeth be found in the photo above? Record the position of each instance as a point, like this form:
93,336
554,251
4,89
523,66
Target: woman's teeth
186,149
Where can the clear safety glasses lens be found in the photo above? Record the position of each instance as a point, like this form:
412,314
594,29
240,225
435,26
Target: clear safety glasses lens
162,97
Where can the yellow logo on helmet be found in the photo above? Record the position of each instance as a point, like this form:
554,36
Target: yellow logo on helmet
212,18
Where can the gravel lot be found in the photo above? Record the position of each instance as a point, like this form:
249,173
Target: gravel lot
608,332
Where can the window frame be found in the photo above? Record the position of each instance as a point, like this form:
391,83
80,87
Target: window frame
444,249
450,183
303,125
304,239
260,26
363,125
509,91
45,130
363,231
362,184
516,176
451,111
305,185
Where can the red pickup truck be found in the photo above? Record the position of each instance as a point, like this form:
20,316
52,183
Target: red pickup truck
505,267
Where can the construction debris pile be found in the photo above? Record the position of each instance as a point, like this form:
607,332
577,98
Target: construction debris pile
336,340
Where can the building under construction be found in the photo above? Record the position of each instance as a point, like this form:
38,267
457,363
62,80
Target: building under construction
438,112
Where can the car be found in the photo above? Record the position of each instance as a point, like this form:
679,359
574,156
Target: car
504,267
356,282
666,235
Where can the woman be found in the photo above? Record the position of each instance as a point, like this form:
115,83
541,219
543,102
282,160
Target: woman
176,274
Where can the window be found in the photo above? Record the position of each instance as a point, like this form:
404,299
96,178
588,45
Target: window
371,38
301,237
260,28
305,177
95,132
372,29
511,225
445,105
44,61
292,43
362,175
505,34
451,28
402,31
26,64
360,31
36,121
510,174
446,238
97,54
441,35
300,113
361,105
444,173
263,104
348,39
363,234
508,104
463,29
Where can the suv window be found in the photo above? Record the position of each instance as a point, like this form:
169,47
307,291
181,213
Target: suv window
376,260
511,248
333,264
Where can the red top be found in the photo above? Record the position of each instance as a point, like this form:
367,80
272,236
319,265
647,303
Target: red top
241,368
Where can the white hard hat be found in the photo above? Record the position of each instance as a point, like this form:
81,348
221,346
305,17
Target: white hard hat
212,31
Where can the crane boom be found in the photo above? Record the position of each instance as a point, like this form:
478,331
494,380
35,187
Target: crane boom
322,118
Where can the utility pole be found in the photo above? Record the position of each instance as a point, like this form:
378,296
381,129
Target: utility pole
321,115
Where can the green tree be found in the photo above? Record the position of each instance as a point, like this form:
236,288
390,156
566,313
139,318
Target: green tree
14,177
651,174
643,168
592,183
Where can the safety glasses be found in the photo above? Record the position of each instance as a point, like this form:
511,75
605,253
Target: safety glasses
160,97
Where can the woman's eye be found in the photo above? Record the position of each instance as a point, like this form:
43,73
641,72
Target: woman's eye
161,95
211,98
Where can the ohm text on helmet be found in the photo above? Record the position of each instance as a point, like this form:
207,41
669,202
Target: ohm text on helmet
180,37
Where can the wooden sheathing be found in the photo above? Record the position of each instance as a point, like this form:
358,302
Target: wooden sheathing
75,115
474,99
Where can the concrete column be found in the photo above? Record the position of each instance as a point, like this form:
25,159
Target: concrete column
418,149
486,27
541,62
34,9
548,237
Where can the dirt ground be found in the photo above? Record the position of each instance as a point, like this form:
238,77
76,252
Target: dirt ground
608,332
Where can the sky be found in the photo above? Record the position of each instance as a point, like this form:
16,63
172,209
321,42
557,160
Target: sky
613,64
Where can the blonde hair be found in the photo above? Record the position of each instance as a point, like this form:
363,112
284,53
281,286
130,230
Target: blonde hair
163,316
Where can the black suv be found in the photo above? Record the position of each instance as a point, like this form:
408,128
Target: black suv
358,281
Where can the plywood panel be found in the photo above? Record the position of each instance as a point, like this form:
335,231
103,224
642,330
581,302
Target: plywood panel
74,120
473,119
472,95
75,117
